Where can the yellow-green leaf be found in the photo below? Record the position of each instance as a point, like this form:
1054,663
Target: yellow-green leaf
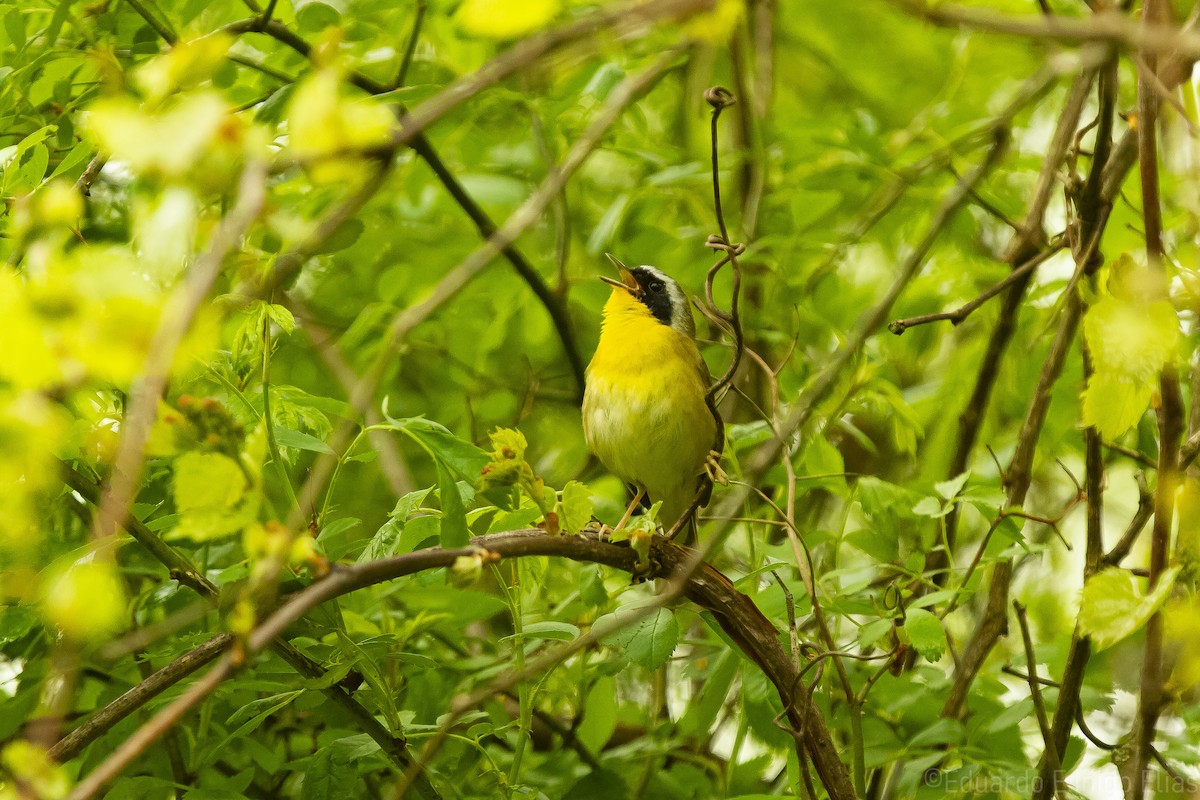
210,495
925,633
1113,404
168,141
1114,605
85,600
1187,543
1131,339
506,19
575,507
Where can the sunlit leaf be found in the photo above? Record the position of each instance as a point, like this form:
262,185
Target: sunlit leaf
1114,605
506,19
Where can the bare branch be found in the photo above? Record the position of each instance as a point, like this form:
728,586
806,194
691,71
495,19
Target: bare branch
1035,692
102,721
955,317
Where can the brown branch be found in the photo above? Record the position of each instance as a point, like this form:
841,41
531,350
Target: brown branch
1133,530
1170,423
90,173
1129,452
1079,651
1069,707
955,317
994,622
1108,27
753,633
411,48
102,721
1035,692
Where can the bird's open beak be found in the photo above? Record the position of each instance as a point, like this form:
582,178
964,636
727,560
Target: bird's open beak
627,282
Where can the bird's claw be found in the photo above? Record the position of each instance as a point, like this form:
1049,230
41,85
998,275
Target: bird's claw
712,468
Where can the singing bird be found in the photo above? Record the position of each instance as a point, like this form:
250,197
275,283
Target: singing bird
644,409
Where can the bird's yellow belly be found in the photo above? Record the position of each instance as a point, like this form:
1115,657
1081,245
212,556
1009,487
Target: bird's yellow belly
651,427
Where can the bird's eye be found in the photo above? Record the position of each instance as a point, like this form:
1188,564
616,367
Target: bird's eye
656,286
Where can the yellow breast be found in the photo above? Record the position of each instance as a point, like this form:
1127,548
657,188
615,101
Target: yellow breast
644,413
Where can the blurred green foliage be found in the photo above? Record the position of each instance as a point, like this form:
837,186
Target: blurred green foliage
852,124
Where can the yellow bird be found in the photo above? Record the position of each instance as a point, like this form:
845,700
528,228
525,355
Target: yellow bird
644,411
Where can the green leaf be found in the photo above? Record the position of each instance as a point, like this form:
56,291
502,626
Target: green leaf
942,732
873,631
1113,404
648,642
575,507
454,531
925,633
1131,338
464,459
141,787
281,316
247,718
409,503
14,26
328,774
287,437
717,681
384,696
205,481
210,494
417,531
333,538
314,17
599,715
950,489
879,543
1114,605
15,622
548,629
931,507
345,235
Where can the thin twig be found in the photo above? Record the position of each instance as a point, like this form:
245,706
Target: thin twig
1105,27
1035,690
1129,452
411,47
956,316
152,686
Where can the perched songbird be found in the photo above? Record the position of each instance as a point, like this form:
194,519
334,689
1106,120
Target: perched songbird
644,410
